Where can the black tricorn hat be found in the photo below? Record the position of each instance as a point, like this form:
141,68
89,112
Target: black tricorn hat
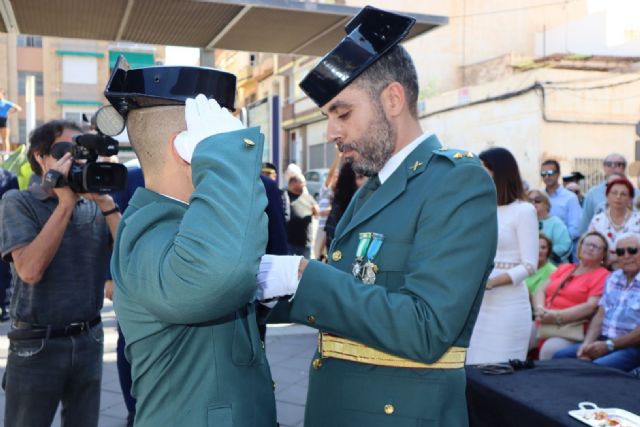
129,89
370,34
574,177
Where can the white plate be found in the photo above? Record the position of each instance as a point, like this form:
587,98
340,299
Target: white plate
587,414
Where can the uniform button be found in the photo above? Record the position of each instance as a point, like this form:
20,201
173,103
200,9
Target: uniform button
389,409
249,143
274,385
317,364
311,319
336,256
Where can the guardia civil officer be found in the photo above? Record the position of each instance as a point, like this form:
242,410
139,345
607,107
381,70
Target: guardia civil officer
397,303
188,249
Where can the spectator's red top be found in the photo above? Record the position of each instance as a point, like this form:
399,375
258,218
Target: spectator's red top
577,289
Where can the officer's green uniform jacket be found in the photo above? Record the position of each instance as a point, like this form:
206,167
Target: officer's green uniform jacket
185,280
437,213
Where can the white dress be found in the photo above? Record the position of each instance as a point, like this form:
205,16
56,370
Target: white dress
503,327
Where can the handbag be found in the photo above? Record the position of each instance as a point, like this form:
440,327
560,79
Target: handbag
573,331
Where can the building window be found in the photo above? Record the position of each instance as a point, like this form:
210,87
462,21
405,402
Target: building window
74,113
29,41
592,170
22,77
22,129
321,155
79,70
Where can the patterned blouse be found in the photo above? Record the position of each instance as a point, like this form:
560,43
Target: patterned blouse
602,224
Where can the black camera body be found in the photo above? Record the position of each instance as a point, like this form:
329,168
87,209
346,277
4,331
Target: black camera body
86,174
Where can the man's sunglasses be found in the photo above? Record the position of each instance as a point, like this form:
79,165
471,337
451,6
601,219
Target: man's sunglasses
615,164
547,173
630,250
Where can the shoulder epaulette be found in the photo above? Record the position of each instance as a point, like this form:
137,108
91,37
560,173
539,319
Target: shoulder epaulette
455,155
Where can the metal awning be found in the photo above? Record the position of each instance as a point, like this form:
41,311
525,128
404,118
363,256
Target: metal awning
277,26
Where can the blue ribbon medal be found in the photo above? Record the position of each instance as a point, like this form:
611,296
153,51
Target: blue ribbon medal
369,269
361,252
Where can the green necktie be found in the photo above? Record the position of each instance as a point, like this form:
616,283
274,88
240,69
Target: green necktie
370,186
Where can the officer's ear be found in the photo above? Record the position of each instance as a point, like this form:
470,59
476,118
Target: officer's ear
393,99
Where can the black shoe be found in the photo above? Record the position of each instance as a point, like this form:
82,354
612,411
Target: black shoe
131,419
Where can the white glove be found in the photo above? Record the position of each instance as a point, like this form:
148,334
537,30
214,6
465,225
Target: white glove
204,118
278,276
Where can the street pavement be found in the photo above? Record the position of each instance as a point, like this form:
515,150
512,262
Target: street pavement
289,350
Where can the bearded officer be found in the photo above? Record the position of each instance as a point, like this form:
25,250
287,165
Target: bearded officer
188,249
397,303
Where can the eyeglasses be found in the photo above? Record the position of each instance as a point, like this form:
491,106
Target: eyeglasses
535,200
593,246
619,194
615,164
547,173
630,250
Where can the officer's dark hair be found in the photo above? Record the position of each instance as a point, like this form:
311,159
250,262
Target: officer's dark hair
552,162
506,174
43,137
395,66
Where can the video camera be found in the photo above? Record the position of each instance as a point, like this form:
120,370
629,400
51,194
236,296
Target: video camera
87,175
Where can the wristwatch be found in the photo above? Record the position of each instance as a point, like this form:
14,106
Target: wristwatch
610,345
53,179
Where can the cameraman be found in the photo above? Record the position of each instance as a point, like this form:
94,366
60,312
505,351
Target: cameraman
58,244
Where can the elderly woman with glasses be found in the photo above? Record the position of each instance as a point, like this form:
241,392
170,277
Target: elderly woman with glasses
613,337
571,295
617,217
551,226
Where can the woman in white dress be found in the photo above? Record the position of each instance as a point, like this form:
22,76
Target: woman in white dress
503,326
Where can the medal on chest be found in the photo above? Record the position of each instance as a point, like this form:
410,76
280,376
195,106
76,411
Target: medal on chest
369,269
361,253
368,247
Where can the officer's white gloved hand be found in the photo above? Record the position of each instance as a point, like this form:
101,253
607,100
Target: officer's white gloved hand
204,118
278,276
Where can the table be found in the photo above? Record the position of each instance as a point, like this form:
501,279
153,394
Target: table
542,396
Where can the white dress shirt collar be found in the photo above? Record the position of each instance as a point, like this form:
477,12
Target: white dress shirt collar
394,162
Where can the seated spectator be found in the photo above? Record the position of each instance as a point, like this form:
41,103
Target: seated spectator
545,267
617,217
613,337
571,295
551,226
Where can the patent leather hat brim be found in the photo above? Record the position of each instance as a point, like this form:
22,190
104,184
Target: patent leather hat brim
370,35
130,89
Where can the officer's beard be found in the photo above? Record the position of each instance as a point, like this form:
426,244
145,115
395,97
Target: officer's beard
375,147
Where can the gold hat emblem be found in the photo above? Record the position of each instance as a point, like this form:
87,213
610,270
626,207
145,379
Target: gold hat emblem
469,154
458,156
